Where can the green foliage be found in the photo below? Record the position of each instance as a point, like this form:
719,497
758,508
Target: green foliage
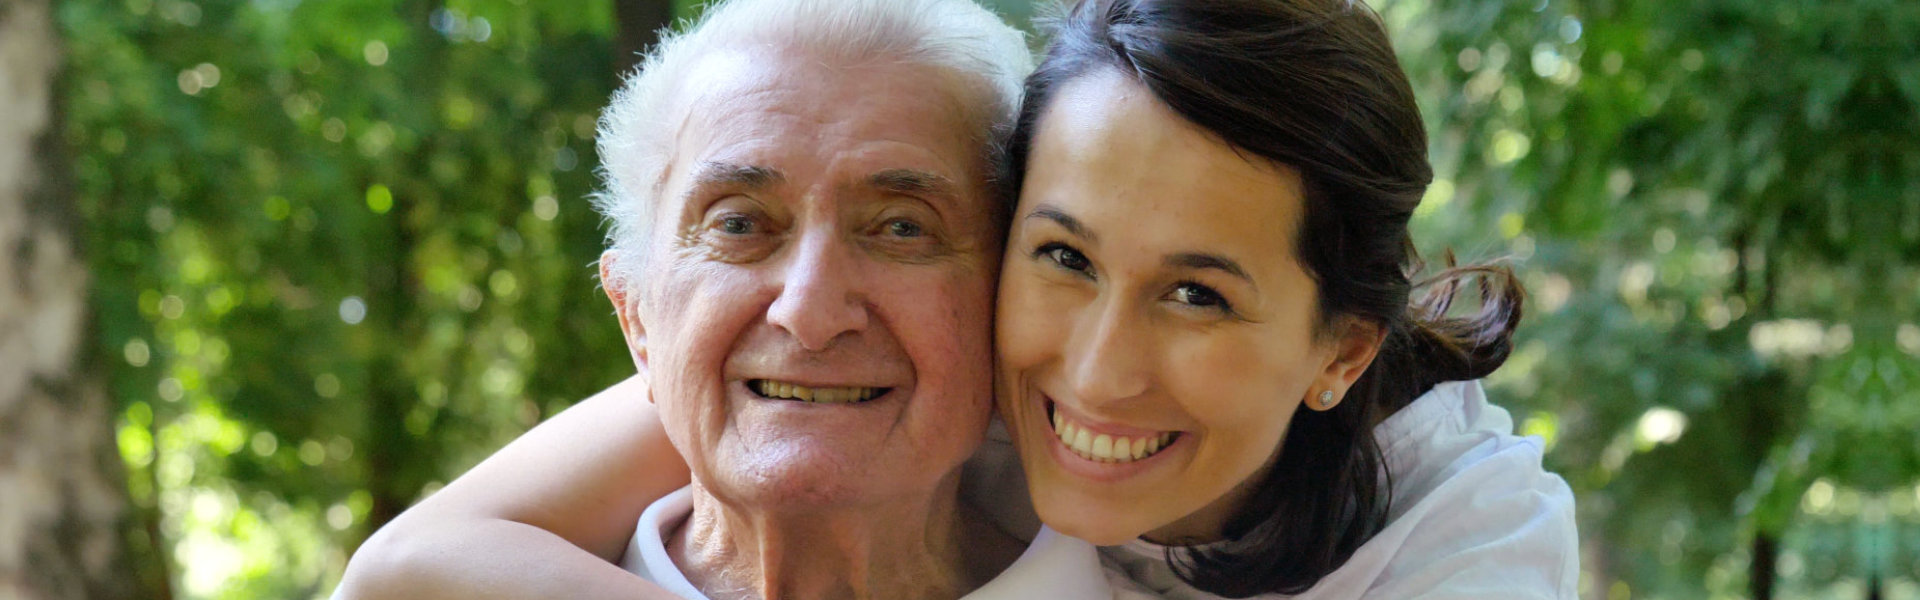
1712,203
343,252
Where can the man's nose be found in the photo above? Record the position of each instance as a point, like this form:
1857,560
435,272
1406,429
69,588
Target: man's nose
1109,357
820,296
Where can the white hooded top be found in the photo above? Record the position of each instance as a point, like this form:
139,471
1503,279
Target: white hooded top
1473,515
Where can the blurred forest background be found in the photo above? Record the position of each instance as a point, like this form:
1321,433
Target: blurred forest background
337,251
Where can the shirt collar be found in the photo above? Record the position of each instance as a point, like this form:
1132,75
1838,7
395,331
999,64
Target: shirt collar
1053,566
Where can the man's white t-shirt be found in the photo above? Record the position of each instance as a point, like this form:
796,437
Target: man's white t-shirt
1053,566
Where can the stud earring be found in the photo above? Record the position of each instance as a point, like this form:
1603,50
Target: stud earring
1326,399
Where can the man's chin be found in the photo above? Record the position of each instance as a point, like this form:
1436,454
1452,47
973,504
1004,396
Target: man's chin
802,474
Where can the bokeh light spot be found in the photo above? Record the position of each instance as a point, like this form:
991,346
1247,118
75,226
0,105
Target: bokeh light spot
327,385
375,52
264,443
137,352
353,310
379,199
276,208
1660,425
546,208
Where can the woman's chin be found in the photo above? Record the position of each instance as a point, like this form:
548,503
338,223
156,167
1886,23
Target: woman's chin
1096,524
1091,531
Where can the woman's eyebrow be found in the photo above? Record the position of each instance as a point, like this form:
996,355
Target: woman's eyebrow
1065,221
1202,260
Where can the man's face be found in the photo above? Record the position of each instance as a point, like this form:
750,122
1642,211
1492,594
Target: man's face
814,304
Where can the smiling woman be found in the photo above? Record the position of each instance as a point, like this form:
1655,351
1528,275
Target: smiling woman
1150,292
1204,325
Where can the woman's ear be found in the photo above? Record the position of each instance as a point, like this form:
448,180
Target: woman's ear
626,307
1354,348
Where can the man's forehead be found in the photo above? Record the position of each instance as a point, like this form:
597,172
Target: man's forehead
748,120
899,180
771,90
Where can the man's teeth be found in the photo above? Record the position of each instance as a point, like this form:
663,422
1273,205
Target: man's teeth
1100,447
841,395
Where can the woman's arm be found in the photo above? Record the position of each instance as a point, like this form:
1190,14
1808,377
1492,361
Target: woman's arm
545,516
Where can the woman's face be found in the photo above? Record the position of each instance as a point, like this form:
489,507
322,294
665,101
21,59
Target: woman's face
1156,334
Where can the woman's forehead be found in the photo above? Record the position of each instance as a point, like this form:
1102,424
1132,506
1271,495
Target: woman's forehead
1107,146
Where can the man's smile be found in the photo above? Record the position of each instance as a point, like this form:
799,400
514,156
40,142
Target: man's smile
782,390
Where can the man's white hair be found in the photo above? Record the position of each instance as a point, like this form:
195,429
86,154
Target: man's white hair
958,36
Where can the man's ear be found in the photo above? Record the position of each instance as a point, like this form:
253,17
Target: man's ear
626,307
1354,348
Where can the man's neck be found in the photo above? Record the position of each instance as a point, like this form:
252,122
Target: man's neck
906,548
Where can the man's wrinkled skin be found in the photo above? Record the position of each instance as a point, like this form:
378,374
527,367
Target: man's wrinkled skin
824,225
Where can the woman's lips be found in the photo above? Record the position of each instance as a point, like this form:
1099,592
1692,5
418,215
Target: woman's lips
1101,444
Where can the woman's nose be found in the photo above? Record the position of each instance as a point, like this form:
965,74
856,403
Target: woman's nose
1107,360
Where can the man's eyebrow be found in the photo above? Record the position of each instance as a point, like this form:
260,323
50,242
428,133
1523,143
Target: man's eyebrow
1202,260
1065,221
911,182
713,173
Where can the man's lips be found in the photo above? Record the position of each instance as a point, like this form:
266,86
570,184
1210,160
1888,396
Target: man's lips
785,390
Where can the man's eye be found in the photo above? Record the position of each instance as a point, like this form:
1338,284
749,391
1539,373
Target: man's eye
736,224
1066,257
904,228
1194,294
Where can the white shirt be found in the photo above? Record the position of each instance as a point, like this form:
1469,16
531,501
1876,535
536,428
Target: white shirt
1473,515
1054,566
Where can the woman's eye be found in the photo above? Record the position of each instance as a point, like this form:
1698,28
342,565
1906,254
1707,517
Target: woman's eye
904,228
1066,257
1199,295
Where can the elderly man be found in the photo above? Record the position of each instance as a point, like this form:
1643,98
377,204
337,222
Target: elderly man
805,239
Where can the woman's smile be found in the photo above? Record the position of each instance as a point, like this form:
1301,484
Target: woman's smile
1098,443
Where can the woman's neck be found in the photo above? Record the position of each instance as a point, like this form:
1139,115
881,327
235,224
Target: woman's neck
899,548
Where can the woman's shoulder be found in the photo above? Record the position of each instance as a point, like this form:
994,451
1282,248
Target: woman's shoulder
1474,513
1481,535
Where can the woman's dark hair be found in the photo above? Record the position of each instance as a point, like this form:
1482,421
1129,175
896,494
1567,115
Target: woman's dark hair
1314,85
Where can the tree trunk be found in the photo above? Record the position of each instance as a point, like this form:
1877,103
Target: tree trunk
1766,551
637,25
61,477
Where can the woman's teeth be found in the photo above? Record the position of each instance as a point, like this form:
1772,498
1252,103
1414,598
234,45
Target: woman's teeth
1100,447
789,391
